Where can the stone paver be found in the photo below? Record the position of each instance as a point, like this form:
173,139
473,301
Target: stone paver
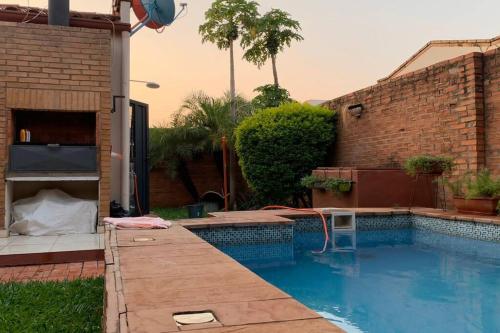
178,272
55,272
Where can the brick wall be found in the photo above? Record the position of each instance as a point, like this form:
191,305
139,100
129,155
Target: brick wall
168,192
492,109
61,69
437,110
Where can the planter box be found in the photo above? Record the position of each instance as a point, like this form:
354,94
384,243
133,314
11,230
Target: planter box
42,158
479,206
376,188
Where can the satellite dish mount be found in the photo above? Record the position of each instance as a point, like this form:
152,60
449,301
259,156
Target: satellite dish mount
155,14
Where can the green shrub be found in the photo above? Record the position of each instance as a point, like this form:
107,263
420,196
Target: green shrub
483,185
336,185
428,164
311,181
277,147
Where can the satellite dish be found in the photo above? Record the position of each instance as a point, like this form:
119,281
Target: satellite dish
154,14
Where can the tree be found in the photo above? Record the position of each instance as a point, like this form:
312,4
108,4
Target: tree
275,30
225,21
197,128
270,96
279,146
213,115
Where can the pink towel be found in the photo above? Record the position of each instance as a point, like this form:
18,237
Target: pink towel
142,222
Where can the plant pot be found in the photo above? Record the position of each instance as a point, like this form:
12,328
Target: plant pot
344,187
195,211
435,169
479,206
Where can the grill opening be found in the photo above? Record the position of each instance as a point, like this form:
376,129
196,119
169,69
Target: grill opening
54,127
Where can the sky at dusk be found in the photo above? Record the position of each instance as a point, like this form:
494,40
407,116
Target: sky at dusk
348,45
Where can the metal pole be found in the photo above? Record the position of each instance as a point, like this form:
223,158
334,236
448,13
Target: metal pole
224,161
125,170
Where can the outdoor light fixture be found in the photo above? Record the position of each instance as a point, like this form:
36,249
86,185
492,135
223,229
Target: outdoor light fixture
149,84
355,110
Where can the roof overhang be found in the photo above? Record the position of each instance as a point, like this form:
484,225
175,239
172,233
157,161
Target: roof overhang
20,14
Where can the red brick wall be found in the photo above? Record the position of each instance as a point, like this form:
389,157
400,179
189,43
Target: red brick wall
168,192
436,110
58,69
492,109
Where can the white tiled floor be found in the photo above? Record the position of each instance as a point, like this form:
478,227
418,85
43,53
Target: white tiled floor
31,244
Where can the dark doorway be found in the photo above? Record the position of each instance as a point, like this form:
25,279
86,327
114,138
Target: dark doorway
139,156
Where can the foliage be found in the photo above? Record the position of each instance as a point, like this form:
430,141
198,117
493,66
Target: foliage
273,31
483,185
169,146
336,185
198,127
270,96
311,181
279,146
213,115
456,186
225,20
428,164
69,306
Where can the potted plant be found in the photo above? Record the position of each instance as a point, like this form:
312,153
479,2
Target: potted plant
336,185
313,181
476,194
428,164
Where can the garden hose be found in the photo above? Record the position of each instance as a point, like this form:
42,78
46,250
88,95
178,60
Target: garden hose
309,210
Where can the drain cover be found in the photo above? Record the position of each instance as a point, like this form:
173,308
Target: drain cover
205,317
143,239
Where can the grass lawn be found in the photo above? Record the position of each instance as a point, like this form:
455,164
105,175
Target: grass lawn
171,213
70,306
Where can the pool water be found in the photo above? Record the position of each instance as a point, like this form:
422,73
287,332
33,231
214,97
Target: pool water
393,281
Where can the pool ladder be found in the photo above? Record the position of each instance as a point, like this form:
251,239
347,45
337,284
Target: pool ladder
343,234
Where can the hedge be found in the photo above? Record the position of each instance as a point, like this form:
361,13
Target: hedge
277,147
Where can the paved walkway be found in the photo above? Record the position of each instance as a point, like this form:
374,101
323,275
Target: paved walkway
57,272
153,274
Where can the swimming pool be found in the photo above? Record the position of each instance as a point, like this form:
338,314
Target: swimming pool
400,280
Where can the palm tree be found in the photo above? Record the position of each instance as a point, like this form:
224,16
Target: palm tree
275,30
212,114
225,21
197,128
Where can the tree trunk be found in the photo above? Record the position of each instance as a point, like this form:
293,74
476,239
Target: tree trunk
232,156
187,181
275,71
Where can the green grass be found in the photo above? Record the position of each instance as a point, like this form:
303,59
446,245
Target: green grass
70,306
171,213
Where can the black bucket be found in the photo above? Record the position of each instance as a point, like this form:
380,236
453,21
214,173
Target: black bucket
195,211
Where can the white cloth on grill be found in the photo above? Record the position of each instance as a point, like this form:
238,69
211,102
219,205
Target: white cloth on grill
53,212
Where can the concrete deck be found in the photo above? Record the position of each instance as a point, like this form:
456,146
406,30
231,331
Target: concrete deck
148,282
249,218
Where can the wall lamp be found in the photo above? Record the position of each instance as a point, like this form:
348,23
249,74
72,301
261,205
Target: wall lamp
355,110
